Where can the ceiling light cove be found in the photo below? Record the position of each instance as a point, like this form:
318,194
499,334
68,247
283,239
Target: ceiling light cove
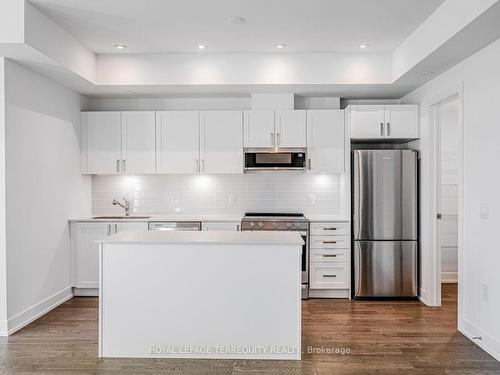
236,20
364,46
120,46
201,46
280,45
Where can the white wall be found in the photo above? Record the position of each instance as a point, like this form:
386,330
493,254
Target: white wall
3,242
44,189
481,81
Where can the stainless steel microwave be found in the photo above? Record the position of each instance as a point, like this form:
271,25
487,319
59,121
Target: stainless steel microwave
271,159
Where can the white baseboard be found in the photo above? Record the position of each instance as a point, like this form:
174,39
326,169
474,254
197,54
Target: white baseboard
422,296
449,277
3,328
328,293
488,343
86,292
32,313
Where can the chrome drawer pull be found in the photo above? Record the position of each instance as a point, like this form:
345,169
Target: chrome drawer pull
330,228
329,241
329,275
329,255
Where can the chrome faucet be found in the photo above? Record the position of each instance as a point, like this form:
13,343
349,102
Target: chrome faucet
125,205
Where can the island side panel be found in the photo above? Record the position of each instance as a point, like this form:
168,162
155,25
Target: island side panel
201,301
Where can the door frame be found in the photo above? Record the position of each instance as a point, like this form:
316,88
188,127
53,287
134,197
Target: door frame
446,97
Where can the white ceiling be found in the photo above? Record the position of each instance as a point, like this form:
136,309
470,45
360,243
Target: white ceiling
168,26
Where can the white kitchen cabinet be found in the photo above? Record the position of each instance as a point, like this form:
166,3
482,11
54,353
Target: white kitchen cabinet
138,142
367,121
86,249
326,141
221,142
87,252
178,142
384,121
401,121
101,142
231,226
259,129
290,128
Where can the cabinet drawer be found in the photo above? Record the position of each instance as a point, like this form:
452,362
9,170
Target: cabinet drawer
330,255
331,229
330,242
329,276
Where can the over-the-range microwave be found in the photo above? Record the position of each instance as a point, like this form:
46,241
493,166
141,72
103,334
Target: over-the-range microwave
275,159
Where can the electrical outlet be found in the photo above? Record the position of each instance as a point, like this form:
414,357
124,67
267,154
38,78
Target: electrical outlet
170,199
231,199
311,199
483,211
485,292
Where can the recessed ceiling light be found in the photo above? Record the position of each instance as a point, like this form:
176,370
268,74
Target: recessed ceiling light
280,45
120,46
201,46
424,74
363,46
236,20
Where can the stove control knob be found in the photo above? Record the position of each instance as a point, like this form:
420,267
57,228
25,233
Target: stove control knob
261,224
288,225
252,224
275,225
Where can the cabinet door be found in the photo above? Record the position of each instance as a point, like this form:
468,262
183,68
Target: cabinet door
367,121
104,142
326,141
87,253
178,142
401,121
123,227
138,142
221,142
291,128
259,128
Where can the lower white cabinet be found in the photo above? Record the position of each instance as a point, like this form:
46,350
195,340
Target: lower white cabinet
231,226
330,260
86,250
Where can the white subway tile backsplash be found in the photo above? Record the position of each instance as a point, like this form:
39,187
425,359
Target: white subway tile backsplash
209,194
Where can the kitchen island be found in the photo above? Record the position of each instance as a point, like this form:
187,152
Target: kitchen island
200,295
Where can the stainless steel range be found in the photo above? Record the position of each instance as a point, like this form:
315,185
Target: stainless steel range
283,221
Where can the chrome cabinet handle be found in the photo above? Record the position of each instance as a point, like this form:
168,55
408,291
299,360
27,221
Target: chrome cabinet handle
118,166
109,229
329,255
124,164
326,275
382,129
272,139
116,228
332,228
278,138
196,165
309,163
203,165
329,241
388,128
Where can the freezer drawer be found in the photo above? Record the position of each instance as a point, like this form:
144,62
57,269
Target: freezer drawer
385,195
385,268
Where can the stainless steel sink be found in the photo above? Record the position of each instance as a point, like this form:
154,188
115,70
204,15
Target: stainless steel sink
121,217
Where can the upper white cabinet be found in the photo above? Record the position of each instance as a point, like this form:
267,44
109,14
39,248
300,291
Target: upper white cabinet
178,142
275,128
138,142
326,141
383,121
118,142
221,139
290,128
101,142
259,128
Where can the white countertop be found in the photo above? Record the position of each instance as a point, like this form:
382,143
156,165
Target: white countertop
211,237
325,218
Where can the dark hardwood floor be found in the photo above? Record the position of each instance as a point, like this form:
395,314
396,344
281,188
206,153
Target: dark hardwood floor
381,337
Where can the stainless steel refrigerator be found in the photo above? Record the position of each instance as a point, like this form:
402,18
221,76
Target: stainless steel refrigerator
385,223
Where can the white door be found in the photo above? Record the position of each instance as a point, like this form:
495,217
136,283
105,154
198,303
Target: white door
138,137
326,141
104,142
87,253
367,121
178,142
221,142
123,227
259,128
401,121
291,128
